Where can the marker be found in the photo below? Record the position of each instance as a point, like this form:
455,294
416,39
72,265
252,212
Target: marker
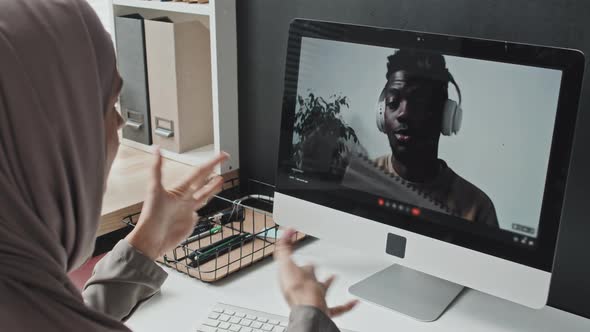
197,237
209,253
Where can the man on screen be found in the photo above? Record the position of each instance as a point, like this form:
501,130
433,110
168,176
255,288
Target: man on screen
415,111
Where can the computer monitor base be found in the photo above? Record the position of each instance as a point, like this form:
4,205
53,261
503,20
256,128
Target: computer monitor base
412,293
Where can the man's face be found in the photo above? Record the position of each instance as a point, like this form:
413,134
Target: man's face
412,116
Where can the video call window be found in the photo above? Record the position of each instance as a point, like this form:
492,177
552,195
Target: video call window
460,136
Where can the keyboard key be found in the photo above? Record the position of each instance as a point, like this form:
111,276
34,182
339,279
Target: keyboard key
224,318
211,322
214,315
278,329
262,319
267,327
245,322
206,329
235,328
229,312
246,329
256,325
251,317
240,314
218,310
224,326
235,320
283,323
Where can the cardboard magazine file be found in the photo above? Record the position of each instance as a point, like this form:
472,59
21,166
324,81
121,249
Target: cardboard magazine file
179,75
134,101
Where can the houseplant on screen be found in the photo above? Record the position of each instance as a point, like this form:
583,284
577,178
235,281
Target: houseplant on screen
323,142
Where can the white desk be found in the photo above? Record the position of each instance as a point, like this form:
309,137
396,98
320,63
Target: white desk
184,302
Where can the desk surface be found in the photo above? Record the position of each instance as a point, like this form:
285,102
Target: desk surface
185,302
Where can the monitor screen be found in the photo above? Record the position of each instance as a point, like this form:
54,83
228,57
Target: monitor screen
489,170
440,138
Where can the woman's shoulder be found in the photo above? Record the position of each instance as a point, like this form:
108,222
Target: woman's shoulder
23,308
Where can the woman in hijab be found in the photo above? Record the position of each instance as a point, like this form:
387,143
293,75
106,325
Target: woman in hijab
58,139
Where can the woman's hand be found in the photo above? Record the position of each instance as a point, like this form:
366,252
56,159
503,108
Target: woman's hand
299,284
168,216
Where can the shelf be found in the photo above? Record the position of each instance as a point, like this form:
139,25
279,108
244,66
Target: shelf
177,7
219,16
194,157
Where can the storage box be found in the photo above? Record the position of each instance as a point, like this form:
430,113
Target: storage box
134,101
179,76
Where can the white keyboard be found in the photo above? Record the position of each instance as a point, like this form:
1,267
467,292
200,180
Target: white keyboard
225,317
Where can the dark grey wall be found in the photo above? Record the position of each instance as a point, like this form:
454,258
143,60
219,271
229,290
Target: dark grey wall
262,41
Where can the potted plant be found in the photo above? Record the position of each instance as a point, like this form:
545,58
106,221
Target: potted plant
323,141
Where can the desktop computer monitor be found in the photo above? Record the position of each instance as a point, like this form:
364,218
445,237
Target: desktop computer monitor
447,155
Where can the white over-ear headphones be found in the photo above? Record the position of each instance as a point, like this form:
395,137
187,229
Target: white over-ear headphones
451,117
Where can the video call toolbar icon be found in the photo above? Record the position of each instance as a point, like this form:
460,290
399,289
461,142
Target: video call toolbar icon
414,211
524,240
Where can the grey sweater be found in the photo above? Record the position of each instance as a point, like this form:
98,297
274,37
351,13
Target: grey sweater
125,278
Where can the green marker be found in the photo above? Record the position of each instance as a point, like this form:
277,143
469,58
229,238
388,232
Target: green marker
197,237
210,252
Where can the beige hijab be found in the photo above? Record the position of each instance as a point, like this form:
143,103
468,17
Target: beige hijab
57,69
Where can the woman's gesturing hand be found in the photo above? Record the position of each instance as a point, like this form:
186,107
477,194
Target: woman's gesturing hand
300,285
168,215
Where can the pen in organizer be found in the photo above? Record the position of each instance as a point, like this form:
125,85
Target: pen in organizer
199,251
213,230
207,223
203,229
210,252
206,227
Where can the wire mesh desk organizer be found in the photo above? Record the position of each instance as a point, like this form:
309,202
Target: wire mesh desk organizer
234,230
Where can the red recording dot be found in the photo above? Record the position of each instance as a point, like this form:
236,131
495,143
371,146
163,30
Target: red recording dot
415,212
381,201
